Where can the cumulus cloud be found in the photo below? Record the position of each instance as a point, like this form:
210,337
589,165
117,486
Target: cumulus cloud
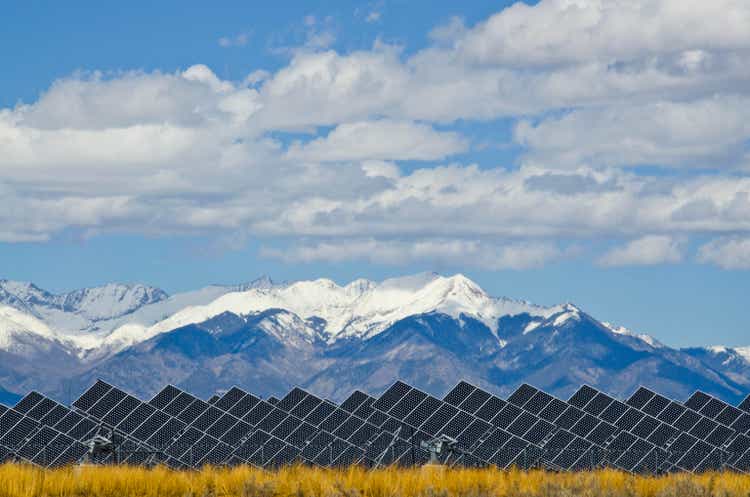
645,251
708,133
728,253
460,253
563,31
383,140
190,152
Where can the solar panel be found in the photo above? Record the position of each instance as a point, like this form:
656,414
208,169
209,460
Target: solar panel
601,434
582,396
106,403
687,420
320,413
92,395
21,429
506,415
640,398
598,404
570,454
365,410
121,411
570,417
728,415
614,411
243,406
555,445
54,415
193,410
354,401
522,395
28,402
459,393
511,454
209,417
291,399
703,428
541,430
423,411
165,396
656,405
720,435
584,425
522,424
617,447
697,400
474,401
133,420
178,404
236,433
456,425
538,402
391,396
553,410
473,433
645,427
491,444
742,424
712,408
745,404
222,425
743,463
439,419
407,404
649,433
490,408
634,455
680,447
693,457
229,399
662,435
631,418
671,412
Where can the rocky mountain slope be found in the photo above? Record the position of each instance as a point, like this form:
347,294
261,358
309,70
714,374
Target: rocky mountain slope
427,329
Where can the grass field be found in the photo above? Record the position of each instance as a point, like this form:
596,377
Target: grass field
26,481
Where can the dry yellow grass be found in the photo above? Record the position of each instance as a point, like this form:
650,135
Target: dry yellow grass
109,481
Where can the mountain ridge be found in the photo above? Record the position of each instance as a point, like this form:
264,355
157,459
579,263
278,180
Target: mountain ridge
430,329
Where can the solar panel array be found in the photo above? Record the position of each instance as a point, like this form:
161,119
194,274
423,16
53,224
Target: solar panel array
647,433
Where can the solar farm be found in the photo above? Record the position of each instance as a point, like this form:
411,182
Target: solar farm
406,427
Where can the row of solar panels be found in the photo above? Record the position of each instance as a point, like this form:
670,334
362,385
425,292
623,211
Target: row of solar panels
646,433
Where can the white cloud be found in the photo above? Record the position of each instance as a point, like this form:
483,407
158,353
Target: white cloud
565,31
728,253
189,152
645,251
380,140
373,16
708,133
460,253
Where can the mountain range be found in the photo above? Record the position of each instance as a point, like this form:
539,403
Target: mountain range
427,329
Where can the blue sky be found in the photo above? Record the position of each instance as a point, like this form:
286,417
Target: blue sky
597,155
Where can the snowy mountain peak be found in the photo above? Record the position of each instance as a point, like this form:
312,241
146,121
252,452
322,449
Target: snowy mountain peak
362,308
14,323
93,304
111,300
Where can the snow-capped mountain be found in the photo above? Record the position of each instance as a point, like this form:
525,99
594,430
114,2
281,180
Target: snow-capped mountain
363,308
96,322
429,329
